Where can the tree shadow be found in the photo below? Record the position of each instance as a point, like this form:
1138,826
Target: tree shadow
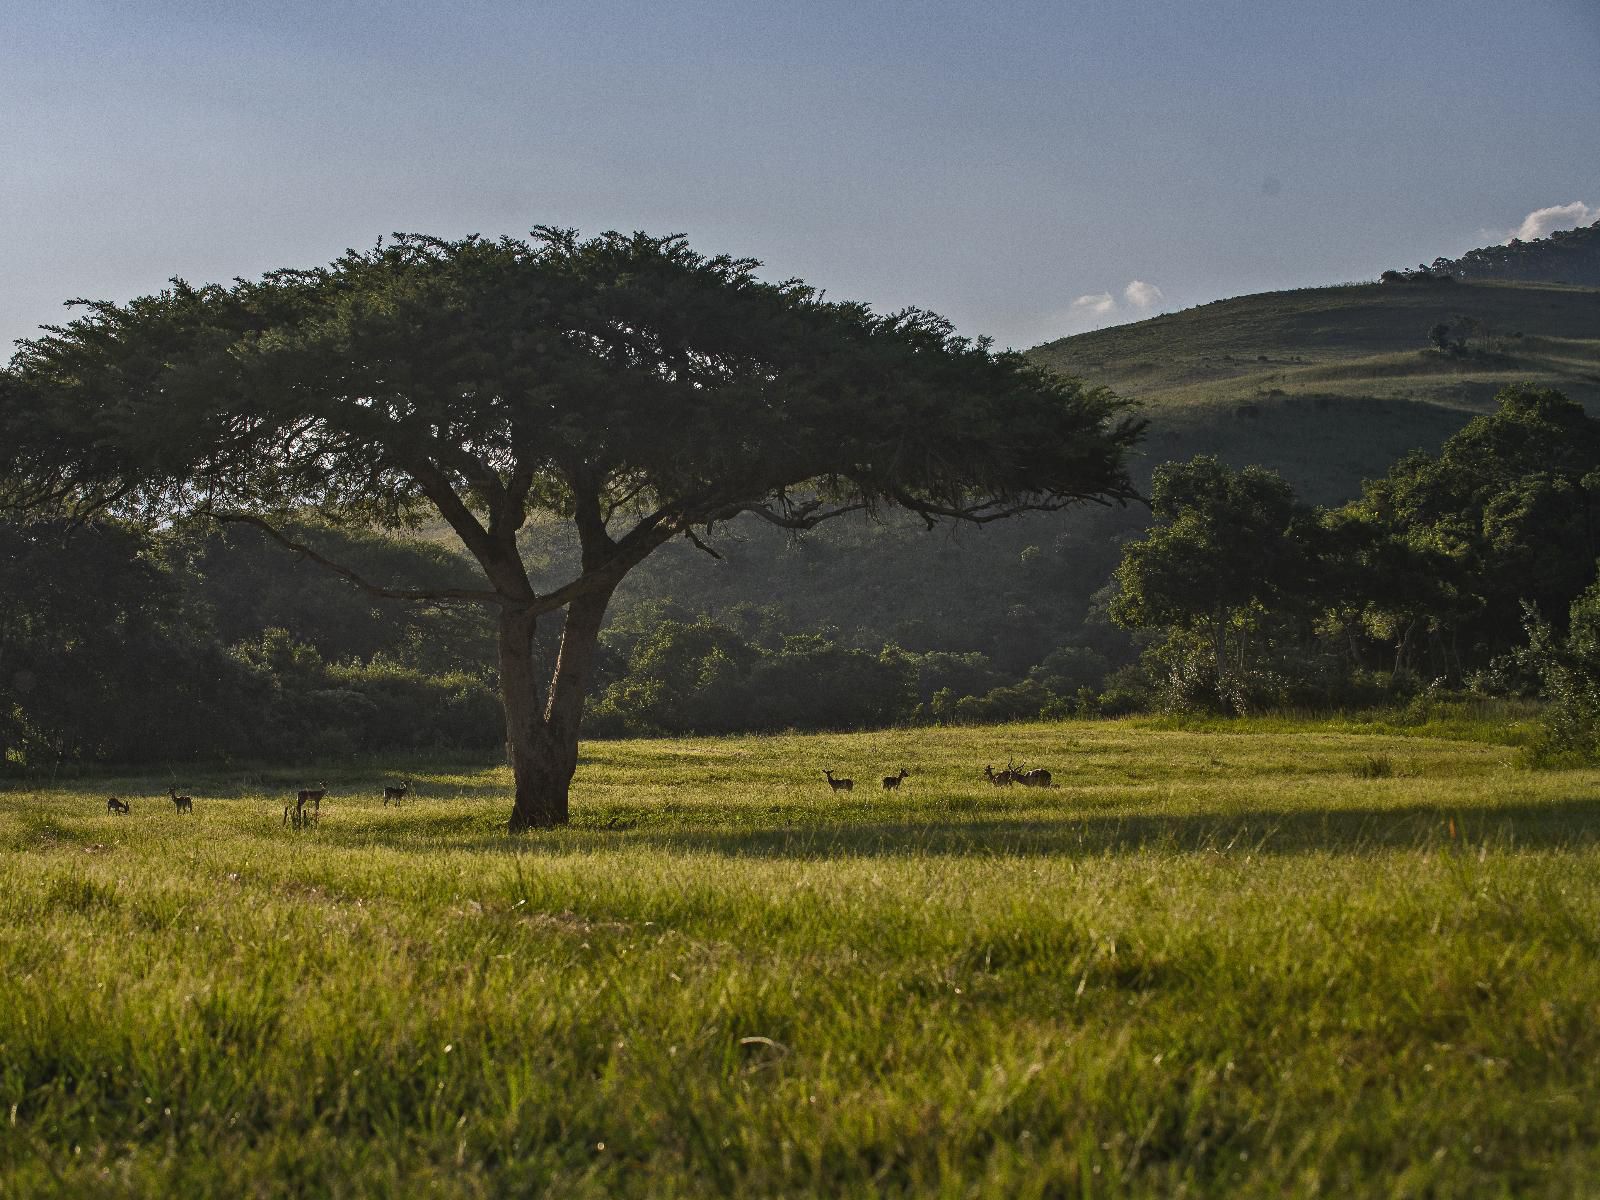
1563,824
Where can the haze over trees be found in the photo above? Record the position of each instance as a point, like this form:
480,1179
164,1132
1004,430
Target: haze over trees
628,386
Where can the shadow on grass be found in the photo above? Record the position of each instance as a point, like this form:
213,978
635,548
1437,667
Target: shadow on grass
1560,824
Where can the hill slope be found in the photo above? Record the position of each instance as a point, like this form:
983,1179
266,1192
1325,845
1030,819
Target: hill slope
1330,385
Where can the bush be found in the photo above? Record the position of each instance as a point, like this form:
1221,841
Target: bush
1569,672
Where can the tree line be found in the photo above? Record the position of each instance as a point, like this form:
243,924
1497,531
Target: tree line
1461,570
1565,256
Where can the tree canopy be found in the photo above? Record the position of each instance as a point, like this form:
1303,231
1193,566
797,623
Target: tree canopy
629,384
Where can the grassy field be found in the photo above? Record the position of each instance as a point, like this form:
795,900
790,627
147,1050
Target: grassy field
1219,959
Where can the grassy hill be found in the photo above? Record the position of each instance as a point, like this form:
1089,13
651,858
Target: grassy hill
1330,385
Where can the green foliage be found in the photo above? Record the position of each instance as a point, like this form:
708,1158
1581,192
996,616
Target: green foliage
513,376
1255,601
703,676
1506,513
1569,672
1226,548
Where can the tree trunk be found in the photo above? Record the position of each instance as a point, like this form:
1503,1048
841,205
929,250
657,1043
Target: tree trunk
542,747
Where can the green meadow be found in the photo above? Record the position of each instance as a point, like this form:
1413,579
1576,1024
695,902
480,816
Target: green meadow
1218,959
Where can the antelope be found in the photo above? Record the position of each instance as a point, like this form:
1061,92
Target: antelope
890,782
313,796
304,811
184,804
839,785
1002,779
1038,777
396,794
113,805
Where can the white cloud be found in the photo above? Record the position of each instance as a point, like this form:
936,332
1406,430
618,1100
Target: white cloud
1095,310
1142,295
1543,222
1094,306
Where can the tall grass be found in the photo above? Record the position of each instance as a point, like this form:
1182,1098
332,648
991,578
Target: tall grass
1213,962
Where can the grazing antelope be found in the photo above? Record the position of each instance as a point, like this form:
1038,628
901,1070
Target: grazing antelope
304,811
1038,777
396,794
999,779
890,782
113,805
184,804
839,785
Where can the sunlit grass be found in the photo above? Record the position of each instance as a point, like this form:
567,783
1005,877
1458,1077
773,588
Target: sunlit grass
1216,960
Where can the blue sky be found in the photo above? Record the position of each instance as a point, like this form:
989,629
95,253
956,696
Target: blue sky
1015,166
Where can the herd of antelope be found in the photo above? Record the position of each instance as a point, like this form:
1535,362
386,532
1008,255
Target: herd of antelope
305,811
1014,773
1038,777
307,808
890,782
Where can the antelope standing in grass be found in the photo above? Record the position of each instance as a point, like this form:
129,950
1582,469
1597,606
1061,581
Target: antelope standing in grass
113,805
304,811
839,785
184,804
1038,777
891,782
999,779
313,796
396,794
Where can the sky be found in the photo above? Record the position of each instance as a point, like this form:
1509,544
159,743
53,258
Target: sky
1027,169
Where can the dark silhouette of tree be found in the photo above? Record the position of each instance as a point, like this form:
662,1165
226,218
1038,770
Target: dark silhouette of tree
633,388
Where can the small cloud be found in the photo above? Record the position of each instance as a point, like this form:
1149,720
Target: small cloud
1542,222
1142,295
1096,310
1094,306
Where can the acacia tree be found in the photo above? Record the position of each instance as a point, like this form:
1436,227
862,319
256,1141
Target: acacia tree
627,384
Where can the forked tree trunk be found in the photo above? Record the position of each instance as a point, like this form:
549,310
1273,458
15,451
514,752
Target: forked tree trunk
542,744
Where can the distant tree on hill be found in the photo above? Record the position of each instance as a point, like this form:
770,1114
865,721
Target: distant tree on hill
1566,256
632,388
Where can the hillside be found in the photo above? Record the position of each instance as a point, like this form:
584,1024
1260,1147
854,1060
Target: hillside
1330,385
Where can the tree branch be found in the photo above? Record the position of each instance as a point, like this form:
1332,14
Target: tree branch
804,516
990,510
699,545
436,596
